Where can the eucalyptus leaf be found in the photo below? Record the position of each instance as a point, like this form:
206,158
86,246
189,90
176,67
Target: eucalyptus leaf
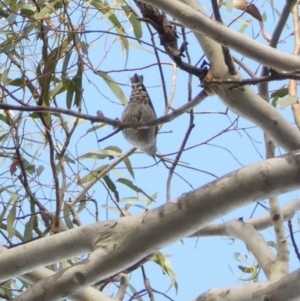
114,87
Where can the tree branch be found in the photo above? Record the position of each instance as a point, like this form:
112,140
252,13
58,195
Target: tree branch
287,289
113,122
259,223
116,245
254,241
199,22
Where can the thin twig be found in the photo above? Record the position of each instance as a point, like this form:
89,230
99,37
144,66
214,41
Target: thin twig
159,66
293,239
113,122
147,284
187,135
226,52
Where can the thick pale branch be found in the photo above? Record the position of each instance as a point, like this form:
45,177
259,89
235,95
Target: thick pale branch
85,295
254,241
242,293
259,223
246,103
199,22
116,245
281,265
287,289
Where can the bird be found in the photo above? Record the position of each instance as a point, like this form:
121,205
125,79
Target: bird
140,109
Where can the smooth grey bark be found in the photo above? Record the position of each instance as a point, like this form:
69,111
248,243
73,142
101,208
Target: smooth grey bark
259,223
199,22
116,245
287,289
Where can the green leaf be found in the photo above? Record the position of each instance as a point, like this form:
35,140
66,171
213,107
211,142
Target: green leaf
253,270
229,5
35,223
5,136
136,24
82,204
4,76
38,72
63,226
49,69
3,15
114,148
108,14
11,218
2,214
129,166
112,187
11,18
7,290
6,31
105,9
101,154
70,94
274,101
129,184
7,121
67,214
9,44
166,266
94,174
75,87
69,160
65,65
115,209
78,86
30,169
114,87
245,269
95,128
45,219
29,229
280,92
244,26
59,88
47,10
17,82
27,11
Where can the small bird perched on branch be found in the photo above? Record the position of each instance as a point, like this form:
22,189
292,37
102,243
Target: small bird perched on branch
140,109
